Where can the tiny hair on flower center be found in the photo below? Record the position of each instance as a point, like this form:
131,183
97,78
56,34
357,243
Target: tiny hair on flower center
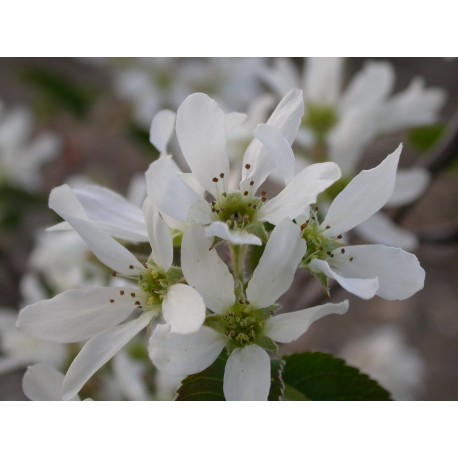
237,210
155,284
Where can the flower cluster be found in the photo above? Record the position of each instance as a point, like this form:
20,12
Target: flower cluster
203,263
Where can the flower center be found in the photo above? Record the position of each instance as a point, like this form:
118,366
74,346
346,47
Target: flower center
320,119
243,325
318,245
237,210
154,283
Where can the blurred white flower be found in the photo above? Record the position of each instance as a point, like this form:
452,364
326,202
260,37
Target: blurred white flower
20,155
155,83
386,357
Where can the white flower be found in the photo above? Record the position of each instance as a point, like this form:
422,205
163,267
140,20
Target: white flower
242,319
20,156
386,357
364,270
338,125
236,214
96,313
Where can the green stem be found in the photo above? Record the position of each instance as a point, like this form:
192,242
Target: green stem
238,256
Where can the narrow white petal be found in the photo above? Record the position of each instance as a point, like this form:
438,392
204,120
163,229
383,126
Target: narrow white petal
168,191
279,148
76,315
112,212
105,248
277,266
356,283
63,201
162,129
381,229
415,106
365,195
159,236
247,375
286,118
236,237
302,191
322,80
201,133
287,327
181,355
370,87
399,273
43,383
97,351
205,271
410,184
184,309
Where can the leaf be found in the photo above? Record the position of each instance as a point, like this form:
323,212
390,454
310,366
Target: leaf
208,384
323,377
425,138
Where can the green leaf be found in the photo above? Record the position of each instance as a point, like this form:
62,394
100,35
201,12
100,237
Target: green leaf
323,377
208,384
425,138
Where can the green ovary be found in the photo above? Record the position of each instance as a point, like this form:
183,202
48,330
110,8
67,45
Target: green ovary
236,210
320,119
318,245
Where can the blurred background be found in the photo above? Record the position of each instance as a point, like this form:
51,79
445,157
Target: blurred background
87,119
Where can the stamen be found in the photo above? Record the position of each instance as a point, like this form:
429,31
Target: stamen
111,300
215,180
221,175
121,292
247,166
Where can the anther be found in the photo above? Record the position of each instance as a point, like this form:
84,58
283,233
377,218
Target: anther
304,226
215,180
247,166
221,175
121,292
251,183
263,199
113,274
111,300
263,193
131,267
132,294
342,250
351,259
245,193
328,227
137,302
316,208
339,236
224,194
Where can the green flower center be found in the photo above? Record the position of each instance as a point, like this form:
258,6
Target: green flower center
320,119
237,210
318,245
243,325
154,283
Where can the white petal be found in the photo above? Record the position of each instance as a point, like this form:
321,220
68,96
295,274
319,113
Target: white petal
286,118
356,283
302,191
277,266
97,351
381,229
247,375
184,309
415,106
233,120
370,87
136,191
112,212
399,273
76,315
279,148
63,200
365,195
168,191
281,76
322,80
201,133
159,235
287,327
349,138
205,271
162,129
236,237
43,383
105,248
410,184
129,375
181,355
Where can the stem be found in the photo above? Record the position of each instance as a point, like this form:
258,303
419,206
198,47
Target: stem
238,256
